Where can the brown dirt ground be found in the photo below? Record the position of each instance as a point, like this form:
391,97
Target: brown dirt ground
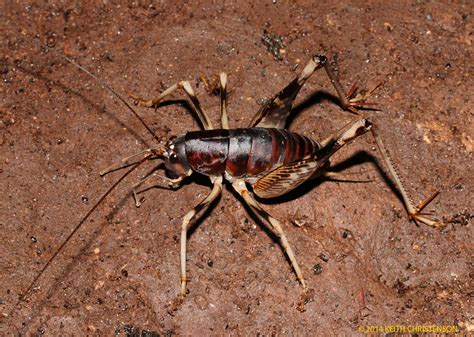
120,272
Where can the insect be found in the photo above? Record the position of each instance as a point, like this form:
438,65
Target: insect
265,156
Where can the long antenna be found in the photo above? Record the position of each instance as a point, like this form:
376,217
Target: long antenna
78,226
119,97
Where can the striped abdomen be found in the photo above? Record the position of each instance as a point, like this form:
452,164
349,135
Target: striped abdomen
244,152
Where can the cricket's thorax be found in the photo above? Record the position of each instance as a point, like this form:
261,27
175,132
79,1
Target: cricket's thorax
242,152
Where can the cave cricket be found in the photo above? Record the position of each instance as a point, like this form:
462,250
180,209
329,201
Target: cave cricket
263,155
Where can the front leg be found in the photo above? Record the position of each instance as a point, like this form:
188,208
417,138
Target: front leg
172,184
186,86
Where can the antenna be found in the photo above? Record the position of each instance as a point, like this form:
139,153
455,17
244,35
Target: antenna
116,94
78,226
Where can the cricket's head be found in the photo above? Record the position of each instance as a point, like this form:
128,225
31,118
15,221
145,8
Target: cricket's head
175,160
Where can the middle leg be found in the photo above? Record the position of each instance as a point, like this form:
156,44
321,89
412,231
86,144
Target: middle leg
239,186
216,191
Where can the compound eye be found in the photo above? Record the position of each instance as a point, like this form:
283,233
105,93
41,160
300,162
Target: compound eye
173,158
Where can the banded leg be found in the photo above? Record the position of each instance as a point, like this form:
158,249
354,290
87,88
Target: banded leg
332,144
276,111
239,186
200,113
223,96
412,210
216,191
273,113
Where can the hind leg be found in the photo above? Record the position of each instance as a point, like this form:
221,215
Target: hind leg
276,111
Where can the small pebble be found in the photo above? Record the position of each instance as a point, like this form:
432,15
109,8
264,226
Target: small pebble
317,269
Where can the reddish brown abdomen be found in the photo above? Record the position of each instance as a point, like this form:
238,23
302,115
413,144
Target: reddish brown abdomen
245,152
